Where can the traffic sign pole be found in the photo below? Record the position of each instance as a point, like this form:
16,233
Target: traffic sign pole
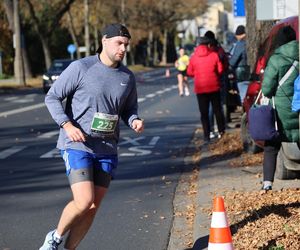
71,49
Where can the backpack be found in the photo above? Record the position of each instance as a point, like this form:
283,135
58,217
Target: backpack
296,96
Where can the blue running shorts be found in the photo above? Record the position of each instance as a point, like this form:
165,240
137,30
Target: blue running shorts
85,166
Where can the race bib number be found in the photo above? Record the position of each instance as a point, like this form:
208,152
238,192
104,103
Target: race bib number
104,124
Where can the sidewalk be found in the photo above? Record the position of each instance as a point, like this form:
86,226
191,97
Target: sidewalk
215,177
218,177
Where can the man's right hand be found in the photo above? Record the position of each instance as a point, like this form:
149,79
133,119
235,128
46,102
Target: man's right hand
74,133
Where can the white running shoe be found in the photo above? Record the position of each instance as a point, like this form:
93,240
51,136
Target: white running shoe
50,243
186,92
212,135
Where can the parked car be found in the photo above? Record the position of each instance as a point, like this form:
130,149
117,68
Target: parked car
56,68
288,160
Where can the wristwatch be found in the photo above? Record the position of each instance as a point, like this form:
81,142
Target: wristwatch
63,123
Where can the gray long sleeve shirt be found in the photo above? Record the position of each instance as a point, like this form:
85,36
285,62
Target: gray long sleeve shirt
91,87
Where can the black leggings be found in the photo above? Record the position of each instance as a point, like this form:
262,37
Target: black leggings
203,101
271,150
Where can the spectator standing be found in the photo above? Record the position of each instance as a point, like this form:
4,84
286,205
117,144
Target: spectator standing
100,91
216,46
238,60
181,65
285,52
206,68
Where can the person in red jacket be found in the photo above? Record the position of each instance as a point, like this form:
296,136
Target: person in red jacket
206,68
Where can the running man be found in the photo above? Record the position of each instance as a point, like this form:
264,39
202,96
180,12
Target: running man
100,91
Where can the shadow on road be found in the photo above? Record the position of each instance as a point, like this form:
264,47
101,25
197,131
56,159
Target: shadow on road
201,243
26,172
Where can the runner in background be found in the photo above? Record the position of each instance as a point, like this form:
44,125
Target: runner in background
181,65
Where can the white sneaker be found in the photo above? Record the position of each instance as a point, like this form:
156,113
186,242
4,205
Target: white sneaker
186,92
212,135
50,243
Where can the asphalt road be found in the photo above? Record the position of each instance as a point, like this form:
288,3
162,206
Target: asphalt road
137,212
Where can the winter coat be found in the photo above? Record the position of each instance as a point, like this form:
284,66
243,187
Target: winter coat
278,64
206,67
239,55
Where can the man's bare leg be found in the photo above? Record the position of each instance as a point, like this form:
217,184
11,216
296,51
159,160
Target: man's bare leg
83,198
79,229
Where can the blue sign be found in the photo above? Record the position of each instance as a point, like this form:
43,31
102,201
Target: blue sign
238,8
71,48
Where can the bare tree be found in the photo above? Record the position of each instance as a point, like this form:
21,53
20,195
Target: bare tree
46,21
160,17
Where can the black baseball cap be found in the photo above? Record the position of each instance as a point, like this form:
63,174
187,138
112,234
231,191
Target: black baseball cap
116,29
240,30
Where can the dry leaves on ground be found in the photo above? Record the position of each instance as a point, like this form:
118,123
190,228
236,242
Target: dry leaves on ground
231,145
264,221
259,220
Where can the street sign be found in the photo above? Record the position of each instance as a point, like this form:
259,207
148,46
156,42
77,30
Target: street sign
238,8
71,49
276,9
82,49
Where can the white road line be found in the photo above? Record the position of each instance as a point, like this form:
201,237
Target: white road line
49,134
150,95
10,151
154,140
141,99
54,153
23,100
20,110
127,154
158,92
12,98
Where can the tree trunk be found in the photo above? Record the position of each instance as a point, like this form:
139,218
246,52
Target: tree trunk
8,5
256,31
26,63
164,52
155,53
73,34
19,70
86,28
96,35
149,48
46,51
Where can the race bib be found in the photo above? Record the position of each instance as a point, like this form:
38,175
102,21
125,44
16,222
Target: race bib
104,124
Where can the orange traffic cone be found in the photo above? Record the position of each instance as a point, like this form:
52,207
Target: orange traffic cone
219,235
167,72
